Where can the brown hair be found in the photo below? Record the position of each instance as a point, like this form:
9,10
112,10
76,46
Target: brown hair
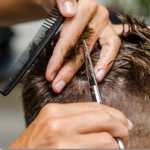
126,87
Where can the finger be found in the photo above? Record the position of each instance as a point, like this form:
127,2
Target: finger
68,70
84,141
102,140
110,44
119,28
97,121
67,110
70,33
67,7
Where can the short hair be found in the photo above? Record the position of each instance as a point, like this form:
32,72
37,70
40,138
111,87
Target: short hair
126,87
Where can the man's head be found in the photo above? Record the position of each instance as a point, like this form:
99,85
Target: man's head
126,87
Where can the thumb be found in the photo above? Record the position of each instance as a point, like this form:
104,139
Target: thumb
67,7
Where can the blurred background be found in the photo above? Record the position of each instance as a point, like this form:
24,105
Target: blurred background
14,40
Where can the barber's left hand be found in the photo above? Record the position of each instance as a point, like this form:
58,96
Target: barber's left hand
78,16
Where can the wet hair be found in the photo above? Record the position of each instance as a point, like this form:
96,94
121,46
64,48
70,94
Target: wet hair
126,87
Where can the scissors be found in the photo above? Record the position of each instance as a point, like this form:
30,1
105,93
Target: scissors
95,92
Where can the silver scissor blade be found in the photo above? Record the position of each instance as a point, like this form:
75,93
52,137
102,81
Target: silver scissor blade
89,66
93,82
91,76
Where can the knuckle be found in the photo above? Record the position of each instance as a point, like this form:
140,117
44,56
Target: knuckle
126,133
109,141
55,54
104,13
50,109
66,38
95,106
93,4
44,110
53,109
107,136
106,116
70,72
116,39
122,117
53,126
90,6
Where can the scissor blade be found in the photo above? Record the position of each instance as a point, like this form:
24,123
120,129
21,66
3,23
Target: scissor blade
89,66
93,82
95,93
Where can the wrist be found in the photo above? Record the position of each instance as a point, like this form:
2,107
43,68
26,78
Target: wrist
22,141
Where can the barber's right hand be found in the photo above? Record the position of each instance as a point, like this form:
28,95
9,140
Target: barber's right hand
81,125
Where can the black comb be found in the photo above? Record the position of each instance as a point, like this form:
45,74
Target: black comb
23,63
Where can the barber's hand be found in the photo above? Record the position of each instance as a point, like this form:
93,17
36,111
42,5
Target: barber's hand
82,125
78,16
119,28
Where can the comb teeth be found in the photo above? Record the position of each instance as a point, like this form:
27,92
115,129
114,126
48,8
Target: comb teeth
50,21
28,57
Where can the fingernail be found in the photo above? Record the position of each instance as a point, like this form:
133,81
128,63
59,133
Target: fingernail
69,8
60,85
130,125
53,75
101,74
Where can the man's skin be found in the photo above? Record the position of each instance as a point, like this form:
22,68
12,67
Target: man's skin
78,16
